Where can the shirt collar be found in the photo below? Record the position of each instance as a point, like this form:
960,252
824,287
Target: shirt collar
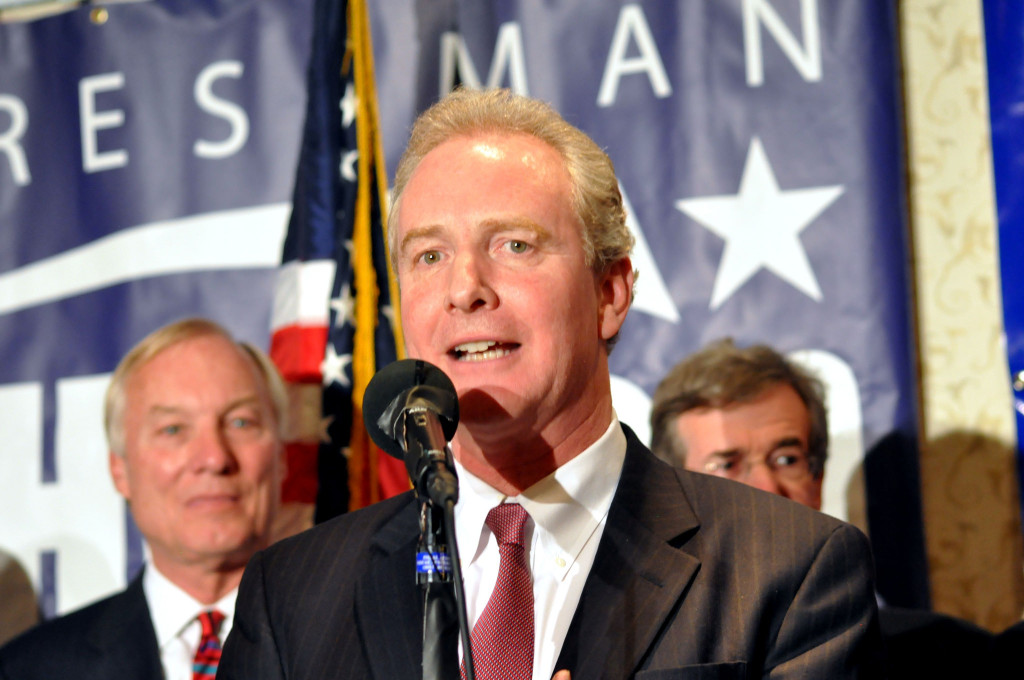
567,505
172,609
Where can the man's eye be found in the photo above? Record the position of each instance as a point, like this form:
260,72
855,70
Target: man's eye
430,257
789,460
241,422
518,246
719,466
170,430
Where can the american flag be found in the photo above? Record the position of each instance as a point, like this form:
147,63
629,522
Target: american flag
333,321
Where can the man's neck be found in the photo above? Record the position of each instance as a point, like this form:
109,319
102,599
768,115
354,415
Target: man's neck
515,461
205,585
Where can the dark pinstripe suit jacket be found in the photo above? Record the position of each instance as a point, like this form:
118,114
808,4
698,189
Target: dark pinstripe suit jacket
695,577
112,638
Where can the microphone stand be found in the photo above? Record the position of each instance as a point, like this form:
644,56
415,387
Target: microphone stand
438,567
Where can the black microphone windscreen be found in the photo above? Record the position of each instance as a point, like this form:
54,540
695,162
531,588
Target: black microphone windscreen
393,382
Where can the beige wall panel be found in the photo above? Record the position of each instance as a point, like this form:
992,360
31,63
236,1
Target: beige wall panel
971,509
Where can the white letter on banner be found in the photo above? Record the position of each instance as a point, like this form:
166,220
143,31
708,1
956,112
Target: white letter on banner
232,113
10,137
807,61
455,58
633,23
91,121
508,56
80,516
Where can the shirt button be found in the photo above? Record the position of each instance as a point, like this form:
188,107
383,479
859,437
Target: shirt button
560,561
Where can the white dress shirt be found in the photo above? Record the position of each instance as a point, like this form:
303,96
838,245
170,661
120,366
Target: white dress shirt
568,510
178,631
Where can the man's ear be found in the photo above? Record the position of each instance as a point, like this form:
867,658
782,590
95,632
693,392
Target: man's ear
616,296
119,473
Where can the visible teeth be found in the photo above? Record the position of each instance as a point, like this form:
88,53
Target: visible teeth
484,356
481,346
480,351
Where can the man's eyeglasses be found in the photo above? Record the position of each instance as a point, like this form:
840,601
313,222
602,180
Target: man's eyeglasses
789,465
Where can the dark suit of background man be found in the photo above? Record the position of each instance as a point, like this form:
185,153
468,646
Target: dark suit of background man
193,421
509,241
751,415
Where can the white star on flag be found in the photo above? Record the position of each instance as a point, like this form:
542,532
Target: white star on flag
348,106
761,226
348,165
343,306
389,313
332,368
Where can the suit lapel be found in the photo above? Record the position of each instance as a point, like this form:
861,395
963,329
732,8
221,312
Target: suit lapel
389,604
639,576
123,637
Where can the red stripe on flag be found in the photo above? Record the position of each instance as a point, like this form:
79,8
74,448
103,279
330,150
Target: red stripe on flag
298,351
391,476
300,482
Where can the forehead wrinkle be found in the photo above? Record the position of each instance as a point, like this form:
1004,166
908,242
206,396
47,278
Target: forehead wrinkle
417,233
497,225
168,409
789,441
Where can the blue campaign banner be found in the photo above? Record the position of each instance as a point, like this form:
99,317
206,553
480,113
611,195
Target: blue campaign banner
758,145
147,163
1004,23
147,157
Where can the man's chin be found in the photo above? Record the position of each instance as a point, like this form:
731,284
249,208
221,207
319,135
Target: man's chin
232,546
487,406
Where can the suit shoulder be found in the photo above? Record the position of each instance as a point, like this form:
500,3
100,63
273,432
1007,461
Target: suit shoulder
346,535
719,501
59,641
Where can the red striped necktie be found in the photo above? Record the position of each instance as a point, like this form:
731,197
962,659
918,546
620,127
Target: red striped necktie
204,666
502,638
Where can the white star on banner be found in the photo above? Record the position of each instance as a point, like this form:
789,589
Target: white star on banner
343,306
652,294
332,368
761,226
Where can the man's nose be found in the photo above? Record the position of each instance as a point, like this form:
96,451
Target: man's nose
212,451
760,476
469,287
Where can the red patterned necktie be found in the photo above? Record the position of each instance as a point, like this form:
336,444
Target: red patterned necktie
204,666
502,638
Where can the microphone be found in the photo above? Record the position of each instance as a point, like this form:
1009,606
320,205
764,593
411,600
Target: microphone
411,411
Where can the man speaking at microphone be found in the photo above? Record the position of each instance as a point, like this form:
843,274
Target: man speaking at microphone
582,553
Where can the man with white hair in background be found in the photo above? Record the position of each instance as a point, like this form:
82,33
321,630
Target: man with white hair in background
193,420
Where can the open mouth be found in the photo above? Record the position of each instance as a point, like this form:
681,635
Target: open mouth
482,350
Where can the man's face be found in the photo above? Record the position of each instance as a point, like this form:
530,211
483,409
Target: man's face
761,442
495,288
202,461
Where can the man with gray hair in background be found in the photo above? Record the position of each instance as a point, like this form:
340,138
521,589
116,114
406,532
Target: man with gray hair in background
193,421
747,414
752,415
